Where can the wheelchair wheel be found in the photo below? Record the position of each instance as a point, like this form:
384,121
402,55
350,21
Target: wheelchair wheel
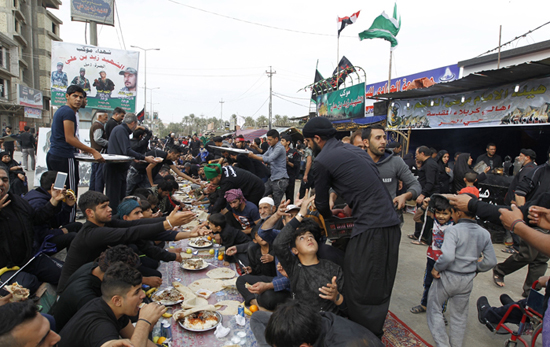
536,332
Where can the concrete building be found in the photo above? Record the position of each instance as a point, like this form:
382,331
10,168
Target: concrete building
27,29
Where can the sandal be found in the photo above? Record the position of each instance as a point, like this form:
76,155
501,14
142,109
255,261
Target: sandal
411,236
420,243
498,279
418,309
509,250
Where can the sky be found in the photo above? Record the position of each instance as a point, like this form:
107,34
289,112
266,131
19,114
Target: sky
220,50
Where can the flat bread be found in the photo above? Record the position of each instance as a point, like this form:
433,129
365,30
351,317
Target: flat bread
18,292
185,255
232,283
188,294
197,302
221,273
206,283
231,307
247,285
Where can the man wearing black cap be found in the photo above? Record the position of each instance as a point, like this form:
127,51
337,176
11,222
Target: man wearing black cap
531,188
371,260
526,159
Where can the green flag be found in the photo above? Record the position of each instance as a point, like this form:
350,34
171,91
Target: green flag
384,27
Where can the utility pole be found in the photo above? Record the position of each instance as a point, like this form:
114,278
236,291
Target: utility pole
221,111
93,33
145,78
270,73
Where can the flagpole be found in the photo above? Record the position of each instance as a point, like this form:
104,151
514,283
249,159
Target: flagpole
389,89
337,54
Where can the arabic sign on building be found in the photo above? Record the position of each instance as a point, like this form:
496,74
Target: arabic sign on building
511,104
108,76
346,103
99,11
32,113
29,97
418,80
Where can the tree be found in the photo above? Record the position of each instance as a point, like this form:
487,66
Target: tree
262,121
285,121
277,120
249,122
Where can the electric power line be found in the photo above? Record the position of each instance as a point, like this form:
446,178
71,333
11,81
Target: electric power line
119,25
254,23
292,97
295,103
260,107
514,39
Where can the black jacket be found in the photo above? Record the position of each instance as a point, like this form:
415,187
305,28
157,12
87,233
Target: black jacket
524,171
38,198
27,140
20,218
91,240
536,183
109,126
142,145
233,177
352,173
428,176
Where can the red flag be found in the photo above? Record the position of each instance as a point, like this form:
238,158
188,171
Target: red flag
141,115
344,21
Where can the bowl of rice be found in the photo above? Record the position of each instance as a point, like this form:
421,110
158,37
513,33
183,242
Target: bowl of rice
201,321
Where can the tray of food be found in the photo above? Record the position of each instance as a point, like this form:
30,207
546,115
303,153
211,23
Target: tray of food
200,242
194,264
201,321
167,297
111,158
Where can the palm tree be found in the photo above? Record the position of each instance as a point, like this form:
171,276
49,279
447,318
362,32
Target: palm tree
277,120
285,121
262,121
249,122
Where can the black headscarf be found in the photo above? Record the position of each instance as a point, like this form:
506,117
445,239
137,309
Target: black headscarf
460,170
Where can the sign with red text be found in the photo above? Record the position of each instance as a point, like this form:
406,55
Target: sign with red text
511,104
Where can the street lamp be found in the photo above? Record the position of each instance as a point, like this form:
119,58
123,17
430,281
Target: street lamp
151,89
145,74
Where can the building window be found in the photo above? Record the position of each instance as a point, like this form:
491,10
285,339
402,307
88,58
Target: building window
54,28
3,91
2,57
17,26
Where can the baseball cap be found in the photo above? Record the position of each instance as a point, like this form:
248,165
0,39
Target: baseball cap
291,207
128,70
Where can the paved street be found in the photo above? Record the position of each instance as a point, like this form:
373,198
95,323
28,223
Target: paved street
408,288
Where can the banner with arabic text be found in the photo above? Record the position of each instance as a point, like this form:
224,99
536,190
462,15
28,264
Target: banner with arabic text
99,11
29,97
108,76
511,104
346,103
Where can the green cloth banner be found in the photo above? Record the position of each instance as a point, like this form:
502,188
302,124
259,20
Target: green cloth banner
342,104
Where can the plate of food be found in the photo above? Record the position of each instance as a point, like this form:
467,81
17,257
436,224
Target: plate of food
200,242
111,158
167,297
194,264
201,321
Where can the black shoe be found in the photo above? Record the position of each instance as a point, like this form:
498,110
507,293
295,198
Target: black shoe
482,306
505,299
525,294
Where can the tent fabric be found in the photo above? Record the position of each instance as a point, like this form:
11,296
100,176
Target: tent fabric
251,134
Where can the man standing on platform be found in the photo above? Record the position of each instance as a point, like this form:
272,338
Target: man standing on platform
98,139
64,140
115,173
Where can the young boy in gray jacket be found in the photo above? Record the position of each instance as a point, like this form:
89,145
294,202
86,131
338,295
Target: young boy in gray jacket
467,250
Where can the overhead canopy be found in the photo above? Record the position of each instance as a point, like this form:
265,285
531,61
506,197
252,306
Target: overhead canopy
251,134
479,80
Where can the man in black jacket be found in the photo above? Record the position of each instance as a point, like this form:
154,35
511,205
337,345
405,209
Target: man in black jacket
428,176
375,238
27,148
116,119
17,243
140,139
230,177
115,174
490,158
100,231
